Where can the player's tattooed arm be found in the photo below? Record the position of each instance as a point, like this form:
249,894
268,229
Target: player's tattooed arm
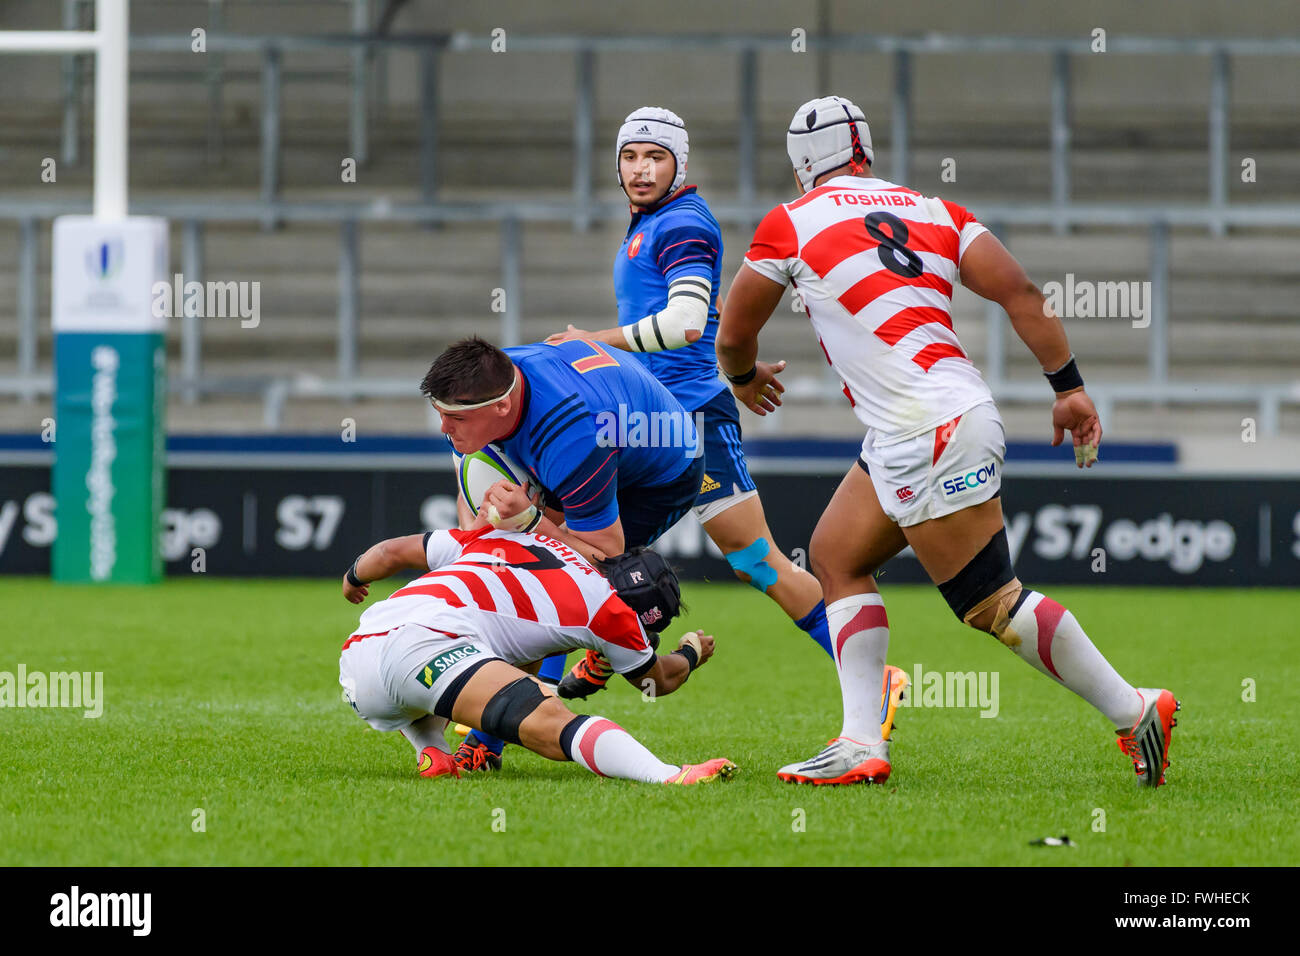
383,560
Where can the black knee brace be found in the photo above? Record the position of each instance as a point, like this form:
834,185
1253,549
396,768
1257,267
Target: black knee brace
509,707
983,575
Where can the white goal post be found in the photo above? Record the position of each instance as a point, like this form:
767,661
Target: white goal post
108,41
110,359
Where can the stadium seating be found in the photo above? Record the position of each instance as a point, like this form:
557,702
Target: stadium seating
1232,298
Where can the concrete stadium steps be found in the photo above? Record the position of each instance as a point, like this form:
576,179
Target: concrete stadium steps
1151,155
1232,317
1207,349
1232,300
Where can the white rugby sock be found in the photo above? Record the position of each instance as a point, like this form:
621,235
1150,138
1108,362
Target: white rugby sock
605,748
859,631
427,732
1052,641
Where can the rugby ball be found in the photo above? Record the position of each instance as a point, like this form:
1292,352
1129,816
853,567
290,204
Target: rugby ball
480,470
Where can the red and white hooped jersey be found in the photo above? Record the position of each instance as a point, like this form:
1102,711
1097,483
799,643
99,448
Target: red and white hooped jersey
526,595
875,264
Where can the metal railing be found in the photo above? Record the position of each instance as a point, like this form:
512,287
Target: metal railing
511,218
365,66
745,48
1058,211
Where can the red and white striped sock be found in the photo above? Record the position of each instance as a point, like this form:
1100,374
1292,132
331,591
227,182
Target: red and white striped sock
1052,641
605,748
859,630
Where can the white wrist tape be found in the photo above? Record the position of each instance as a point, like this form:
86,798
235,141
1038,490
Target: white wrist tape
687,310
526,520
693,641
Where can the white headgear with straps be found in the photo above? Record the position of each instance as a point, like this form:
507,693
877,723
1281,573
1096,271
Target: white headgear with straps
825,134
654,124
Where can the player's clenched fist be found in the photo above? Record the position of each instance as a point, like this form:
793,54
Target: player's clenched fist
355,593
699,642
504,500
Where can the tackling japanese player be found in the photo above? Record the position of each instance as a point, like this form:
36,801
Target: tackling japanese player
875,264
450,645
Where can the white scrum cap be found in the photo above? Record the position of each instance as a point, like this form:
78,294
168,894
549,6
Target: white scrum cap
654,124
825,134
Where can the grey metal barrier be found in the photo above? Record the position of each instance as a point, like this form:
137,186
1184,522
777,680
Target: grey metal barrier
363,46
511,218
363,68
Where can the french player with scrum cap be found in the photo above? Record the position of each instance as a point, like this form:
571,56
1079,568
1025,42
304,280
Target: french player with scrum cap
450,644
667,280
875,264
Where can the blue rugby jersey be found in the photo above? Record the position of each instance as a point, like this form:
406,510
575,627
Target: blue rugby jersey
679,238
594,421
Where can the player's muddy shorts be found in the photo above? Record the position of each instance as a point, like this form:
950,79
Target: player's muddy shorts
954,466
394,679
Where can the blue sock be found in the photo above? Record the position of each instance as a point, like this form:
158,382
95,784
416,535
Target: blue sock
814,622
552,669
494,744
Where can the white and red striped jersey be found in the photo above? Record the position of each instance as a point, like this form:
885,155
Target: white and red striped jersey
526,595
875,264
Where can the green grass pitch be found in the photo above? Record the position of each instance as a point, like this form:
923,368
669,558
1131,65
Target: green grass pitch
223,696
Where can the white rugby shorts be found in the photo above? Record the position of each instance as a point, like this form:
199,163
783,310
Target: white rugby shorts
936,473
394,679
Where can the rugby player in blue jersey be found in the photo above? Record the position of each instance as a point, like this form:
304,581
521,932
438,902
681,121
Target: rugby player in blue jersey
619,458
667,279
